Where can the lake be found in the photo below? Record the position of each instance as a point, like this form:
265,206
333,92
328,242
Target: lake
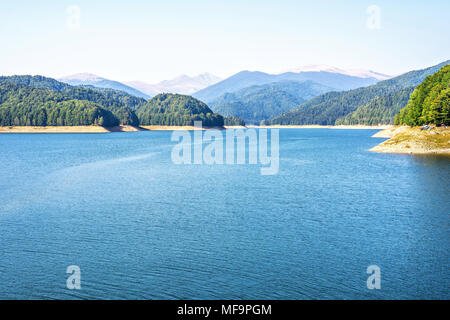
141,227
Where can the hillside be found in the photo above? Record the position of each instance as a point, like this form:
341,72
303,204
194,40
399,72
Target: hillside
177,110
41,101
36,82
233,121
327,108
380,110
87,79
430,101
28,106
257,103
246,79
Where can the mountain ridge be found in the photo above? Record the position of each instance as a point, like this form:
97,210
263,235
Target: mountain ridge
256,103
362,73
247,78
89,79
182,84
326,109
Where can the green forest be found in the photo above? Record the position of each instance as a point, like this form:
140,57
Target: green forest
27,106
430,101
41,101
257,103
380,110
177,110
233,121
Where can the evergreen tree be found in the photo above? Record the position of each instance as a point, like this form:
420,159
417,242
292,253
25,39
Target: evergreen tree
429,103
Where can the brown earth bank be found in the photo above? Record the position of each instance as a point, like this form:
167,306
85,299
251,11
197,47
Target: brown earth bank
413,140
99,129
316,126
67,129
173,128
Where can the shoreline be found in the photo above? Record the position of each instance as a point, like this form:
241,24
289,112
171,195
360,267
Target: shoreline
318,126
68,129
178,128
100,129
413,140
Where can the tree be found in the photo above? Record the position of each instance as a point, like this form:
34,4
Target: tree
428,103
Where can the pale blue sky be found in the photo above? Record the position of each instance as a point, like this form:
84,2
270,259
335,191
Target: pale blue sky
155,40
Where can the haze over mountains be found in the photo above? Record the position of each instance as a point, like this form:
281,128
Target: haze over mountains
88,79
182,85
361,73
332,79
208,87
253,96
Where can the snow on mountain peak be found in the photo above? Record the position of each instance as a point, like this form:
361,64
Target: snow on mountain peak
361,73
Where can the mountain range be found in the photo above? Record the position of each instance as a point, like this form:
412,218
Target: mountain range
256,103
289,100
360,73
88,79
244,79
366,105
208,87
182,85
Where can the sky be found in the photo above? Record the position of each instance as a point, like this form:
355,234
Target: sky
155,40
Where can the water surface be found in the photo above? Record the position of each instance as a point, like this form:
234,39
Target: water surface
141,227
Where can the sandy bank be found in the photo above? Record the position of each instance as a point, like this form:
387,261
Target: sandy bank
99,129
316,126
380,127
390,132
235,127
68,129
173,128
413,140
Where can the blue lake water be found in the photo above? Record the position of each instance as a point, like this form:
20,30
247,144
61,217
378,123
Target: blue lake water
141,227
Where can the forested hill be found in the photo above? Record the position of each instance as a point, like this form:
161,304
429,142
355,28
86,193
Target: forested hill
107,97
257,103
41,101
28,106
326,109
177,110
37,82
245,79
430,101
90,80
380,110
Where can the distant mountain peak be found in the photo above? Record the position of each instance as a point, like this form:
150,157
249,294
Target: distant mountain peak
83,77
97,81
182,84
361,73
